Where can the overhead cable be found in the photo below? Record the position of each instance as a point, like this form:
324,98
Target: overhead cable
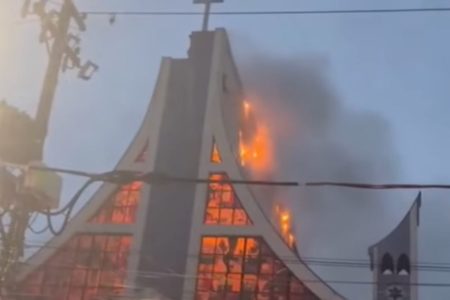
128,176
441,267
269,12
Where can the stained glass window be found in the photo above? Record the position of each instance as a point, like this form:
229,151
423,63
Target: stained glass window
245,268
86,268
223,207
121,208
215,155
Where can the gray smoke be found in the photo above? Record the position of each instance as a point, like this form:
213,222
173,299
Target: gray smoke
318,138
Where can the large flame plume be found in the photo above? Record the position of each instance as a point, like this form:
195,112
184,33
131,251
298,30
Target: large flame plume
256,150
257,155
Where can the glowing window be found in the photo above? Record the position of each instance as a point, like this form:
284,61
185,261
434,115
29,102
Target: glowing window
245,268
86,268
121,208
223,207
215,155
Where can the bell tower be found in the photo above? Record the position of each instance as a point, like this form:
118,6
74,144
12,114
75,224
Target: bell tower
394,258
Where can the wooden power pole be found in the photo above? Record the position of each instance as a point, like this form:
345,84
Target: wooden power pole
63,48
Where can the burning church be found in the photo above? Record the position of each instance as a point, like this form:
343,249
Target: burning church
214,240
182,240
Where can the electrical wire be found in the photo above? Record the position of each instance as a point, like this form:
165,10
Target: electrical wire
443,267
328,281
123,177
371,186
67,209
168,275
71,202
36,231
269,12
33,219
127,176
119,177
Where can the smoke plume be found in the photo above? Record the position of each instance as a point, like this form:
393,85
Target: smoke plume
318,138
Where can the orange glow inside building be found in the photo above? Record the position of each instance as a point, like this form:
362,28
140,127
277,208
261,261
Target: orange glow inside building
243,267
223,207
215,155
122,207
255,150
89,266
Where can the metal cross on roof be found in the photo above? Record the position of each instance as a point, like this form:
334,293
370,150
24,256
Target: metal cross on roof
207,11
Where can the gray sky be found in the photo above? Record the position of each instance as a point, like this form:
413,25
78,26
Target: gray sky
395,65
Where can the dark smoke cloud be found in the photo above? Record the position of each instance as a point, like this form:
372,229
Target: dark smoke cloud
318,138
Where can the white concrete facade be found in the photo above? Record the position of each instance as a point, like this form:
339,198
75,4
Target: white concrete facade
220,124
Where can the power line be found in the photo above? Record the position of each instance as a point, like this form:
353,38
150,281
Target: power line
441,267
169,275
269,12
127,176
371,186
119,176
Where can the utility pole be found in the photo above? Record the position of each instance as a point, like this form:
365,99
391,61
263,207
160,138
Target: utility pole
58,49
207,12
63,48
17,205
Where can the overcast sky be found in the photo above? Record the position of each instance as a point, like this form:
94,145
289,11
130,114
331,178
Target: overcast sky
393,65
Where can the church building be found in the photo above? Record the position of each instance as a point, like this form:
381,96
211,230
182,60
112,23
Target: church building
180,240
196,241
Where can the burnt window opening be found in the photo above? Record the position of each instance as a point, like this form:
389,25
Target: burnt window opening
387,264
216,158
244,267
87,267
403,265
121,207
223,206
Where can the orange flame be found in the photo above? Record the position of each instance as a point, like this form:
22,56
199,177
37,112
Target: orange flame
283,215
256,152
246,108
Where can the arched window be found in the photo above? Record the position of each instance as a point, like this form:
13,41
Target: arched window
387,264
403,267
